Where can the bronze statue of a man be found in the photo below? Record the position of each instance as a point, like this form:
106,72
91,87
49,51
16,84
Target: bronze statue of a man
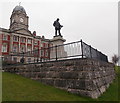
57,26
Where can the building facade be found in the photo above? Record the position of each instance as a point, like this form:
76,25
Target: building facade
19,39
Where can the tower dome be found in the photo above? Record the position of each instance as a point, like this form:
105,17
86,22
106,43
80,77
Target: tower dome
19,8
19,18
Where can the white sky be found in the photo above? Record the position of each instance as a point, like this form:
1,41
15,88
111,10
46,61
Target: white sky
94,21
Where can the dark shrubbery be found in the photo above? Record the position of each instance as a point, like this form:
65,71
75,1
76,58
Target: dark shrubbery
7,63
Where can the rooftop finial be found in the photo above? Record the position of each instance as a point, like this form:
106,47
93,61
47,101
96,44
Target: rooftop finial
19,3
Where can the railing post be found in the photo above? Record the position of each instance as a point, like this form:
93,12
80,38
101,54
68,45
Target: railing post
34,55
82,47
106,58
22,59
97,54
44,54
90,52
49,53
37,55
56,51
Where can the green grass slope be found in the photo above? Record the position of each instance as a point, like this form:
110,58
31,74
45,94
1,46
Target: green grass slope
18,88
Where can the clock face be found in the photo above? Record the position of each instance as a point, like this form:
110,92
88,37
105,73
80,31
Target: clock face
21,19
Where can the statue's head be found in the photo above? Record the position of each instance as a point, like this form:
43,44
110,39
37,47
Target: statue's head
57,19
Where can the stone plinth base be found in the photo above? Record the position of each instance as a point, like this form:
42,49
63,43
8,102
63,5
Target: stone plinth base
59,51
57,40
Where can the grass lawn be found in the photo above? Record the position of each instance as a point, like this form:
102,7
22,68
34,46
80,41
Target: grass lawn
18,88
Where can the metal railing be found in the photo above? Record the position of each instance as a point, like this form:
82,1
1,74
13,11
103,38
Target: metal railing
77,49
90,52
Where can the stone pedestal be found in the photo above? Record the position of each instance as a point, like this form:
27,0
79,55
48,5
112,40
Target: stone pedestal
57,40
58,49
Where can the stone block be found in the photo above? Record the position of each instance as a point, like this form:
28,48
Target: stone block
94,94
79,84
68,75
102,89
60,83
41,75
47,81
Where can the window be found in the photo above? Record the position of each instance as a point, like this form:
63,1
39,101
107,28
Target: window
15,48
46,45
15,38
29,41
35,48
22,40
29,48
5,37
15,59
36,51
46,53
23,48
51,45
5,58
29,60
42,45
36,42
42,52
4,48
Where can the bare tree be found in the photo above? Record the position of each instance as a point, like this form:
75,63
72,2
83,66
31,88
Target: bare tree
115,59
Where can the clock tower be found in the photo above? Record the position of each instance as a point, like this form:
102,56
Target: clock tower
19,19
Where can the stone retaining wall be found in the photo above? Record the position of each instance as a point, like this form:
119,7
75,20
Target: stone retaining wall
85,77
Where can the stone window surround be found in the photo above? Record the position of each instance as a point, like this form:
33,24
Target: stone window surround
46,45
4,47
15,48
46,53
22,48
42,52
15,38
29,40
5,37
29,48
35,42
22,39
36,48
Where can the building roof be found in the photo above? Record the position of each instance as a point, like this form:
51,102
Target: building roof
19,8
4,30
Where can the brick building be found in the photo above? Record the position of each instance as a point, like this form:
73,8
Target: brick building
19,39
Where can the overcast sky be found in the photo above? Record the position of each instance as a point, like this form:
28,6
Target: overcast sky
96,21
